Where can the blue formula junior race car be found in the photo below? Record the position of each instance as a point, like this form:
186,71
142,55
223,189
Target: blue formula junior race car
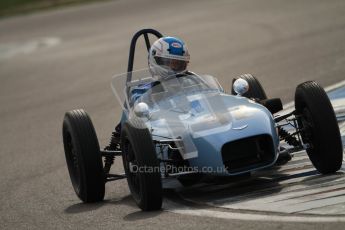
185,126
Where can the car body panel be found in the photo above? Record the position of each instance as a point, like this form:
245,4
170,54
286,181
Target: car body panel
195,110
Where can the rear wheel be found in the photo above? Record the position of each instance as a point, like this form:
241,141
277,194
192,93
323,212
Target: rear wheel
83,156
255,88
141,165
319,127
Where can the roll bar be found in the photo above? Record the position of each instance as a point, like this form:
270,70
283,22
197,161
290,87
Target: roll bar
144,32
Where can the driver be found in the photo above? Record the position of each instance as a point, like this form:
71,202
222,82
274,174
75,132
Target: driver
168,56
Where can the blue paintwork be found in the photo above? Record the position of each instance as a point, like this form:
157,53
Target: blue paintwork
209,146
208,136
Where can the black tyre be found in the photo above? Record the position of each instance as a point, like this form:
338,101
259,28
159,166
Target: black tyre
255,88
83,156
319,127
141,165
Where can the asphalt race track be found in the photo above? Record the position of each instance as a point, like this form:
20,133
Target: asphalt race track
55,61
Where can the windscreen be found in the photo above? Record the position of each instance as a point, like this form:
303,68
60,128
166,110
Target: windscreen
181,107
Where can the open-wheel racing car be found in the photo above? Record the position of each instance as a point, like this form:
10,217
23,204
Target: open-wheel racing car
186,126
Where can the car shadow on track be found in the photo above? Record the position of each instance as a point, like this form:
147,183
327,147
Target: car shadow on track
83,207
140,215
233,190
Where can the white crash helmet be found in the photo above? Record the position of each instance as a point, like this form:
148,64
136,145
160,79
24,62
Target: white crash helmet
168,56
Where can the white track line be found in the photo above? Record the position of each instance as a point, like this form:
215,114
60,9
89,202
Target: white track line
335,86
342,128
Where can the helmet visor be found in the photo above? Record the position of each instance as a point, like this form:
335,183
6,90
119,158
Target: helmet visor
173,64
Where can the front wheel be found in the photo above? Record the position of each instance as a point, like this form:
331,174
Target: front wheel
319,127
83,156
141,165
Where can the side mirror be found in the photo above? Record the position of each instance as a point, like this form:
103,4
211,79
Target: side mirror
142,110
240,86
